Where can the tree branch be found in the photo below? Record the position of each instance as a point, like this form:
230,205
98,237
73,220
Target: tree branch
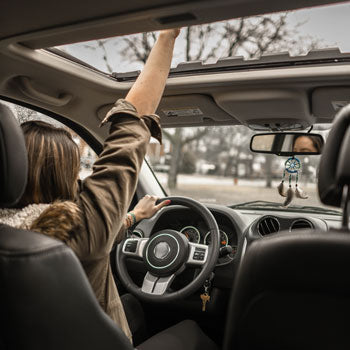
196,136
101,44
203,34
238,38
188,44
132,46
168,136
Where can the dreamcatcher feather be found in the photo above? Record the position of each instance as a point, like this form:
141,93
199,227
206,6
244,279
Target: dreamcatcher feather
292,167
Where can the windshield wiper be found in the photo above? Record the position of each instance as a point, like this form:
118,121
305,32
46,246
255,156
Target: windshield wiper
261,205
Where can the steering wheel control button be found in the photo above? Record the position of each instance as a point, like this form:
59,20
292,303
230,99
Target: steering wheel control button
165,252
198,254
161,250
130,246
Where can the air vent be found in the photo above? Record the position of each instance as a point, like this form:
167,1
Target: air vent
300,225
268,225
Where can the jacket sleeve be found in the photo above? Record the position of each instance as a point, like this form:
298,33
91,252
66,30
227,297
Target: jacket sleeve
106,194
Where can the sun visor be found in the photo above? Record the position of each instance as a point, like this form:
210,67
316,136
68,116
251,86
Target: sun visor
186,110
327,101
192,110
268,109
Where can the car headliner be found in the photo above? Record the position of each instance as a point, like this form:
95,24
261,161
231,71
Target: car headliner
70,21
84,95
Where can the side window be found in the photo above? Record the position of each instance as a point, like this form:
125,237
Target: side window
87,155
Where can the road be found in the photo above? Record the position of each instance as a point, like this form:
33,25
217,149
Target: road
222,190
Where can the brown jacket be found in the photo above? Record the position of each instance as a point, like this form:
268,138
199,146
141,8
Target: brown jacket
105,198
92,224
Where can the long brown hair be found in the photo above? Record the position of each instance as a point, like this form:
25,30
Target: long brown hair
53,162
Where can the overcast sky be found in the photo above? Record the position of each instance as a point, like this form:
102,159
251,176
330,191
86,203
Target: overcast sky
328,24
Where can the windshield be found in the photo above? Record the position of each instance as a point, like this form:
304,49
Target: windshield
296,32
215,165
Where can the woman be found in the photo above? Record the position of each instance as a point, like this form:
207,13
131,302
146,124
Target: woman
307,144
92,218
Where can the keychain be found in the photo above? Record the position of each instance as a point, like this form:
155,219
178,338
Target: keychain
292,166
205,296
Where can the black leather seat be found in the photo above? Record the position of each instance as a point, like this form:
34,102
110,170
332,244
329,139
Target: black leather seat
46,299
293,290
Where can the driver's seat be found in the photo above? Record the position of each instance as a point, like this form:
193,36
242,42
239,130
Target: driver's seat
292,290
46,299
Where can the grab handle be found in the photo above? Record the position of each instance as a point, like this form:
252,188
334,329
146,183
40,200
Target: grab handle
28,90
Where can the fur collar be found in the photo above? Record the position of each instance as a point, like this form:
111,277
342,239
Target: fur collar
60,220
22,218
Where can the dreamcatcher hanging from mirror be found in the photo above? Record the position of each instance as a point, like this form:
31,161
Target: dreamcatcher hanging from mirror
292,167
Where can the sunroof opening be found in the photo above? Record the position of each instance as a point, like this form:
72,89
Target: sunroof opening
296,32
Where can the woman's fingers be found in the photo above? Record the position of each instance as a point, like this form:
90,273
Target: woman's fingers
163,204
147,207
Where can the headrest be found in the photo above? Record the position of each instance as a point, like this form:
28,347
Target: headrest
13,159
334,170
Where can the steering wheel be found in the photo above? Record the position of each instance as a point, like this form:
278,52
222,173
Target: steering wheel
166,254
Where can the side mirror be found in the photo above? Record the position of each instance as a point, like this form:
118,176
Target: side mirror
287,143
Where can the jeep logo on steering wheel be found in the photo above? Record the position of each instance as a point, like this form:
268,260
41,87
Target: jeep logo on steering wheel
161,250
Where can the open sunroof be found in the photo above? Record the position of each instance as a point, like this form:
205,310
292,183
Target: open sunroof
284,38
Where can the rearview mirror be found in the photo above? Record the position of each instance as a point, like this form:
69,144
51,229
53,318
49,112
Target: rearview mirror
287,143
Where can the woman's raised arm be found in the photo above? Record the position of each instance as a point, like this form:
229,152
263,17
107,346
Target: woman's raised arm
149,86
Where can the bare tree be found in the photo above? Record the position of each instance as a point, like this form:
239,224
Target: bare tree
228,148
139,46
178,140
101,45
248,37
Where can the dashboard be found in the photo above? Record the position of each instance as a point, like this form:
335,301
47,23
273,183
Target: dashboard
238,227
